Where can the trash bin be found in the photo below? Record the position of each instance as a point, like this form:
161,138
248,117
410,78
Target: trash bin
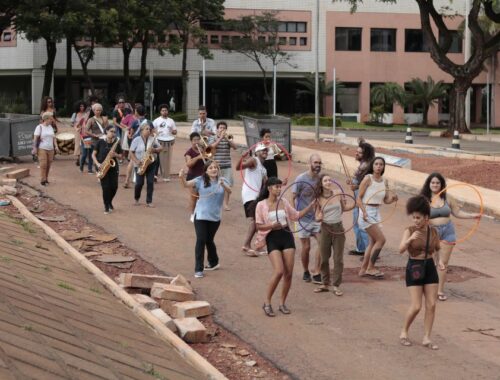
280,129
16,134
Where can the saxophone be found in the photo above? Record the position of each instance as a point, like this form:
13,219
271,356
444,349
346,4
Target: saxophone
147,160
108,162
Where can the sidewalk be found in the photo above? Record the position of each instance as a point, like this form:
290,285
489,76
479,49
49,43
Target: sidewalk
58,322
400,179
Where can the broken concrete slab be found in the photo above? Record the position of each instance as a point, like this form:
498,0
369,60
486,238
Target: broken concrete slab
191,330
194,309
167,306
5,169
74,235
165,319
171,292
145,281
8,181
105,238
182,281
18,174
8,190
115,259
146,301
56,218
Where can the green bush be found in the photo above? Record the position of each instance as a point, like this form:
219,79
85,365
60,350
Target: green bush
324,121
178,116
9,105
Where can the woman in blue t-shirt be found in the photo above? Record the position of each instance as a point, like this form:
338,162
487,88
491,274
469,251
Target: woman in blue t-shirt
210,187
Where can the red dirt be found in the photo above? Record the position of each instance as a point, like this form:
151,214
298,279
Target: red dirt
223,347
479,173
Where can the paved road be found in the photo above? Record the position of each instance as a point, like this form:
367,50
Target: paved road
481,147
325,337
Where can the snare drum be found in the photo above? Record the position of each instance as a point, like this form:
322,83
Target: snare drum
65,142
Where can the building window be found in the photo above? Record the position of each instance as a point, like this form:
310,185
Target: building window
301,27
348,39
214,39
415,41
292,41
282,41
348,98
292,27
456,42
262,39
383,40
303,41
282,27
7,36
204,39
225,39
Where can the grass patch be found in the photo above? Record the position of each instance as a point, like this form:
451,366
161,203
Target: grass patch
28,327
65,285
5,259
16,242
26,226
150,370
95,289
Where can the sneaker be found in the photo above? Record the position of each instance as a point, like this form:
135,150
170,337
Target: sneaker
316,279
209,267
111,208
355,252
106,212
166,179
198,274
307,276
191,218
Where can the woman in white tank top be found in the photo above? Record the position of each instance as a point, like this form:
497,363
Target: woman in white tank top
372,193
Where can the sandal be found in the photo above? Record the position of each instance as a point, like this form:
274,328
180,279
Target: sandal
337,291
284,309
405,341
268,309
431,346
442,297
249,252
320,289
377,274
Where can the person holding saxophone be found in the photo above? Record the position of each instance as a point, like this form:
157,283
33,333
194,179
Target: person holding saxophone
105,157
142,154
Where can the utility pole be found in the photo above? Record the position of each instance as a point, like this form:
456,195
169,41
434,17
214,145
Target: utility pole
316,78
467,54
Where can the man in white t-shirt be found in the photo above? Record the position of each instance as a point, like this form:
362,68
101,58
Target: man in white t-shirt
255,175
204,125
165,130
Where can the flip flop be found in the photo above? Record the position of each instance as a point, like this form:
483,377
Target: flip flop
337,291
249,252
442,297
375,275
430,346
321,289
405,341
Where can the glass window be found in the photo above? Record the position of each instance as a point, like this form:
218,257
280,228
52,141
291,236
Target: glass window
456,42
301,27
303,41
348,39
7,36
214,39
282,41
291,27
282,27
383,39
292,41
415,41
204,39
225,39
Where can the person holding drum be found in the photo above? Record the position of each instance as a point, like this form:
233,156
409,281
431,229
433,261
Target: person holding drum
95,129
45,146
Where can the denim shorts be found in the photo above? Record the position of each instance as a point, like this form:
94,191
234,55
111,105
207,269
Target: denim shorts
227,173
446,232
307,228
373,214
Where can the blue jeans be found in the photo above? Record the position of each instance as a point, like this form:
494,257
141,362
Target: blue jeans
86,154
362,238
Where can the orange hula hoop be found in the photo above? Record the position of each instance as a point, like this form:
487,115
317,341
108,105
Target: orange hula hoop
393,209
481,208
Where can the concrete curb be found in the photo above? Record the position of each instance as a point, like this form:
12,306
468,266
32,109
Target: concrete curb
190,355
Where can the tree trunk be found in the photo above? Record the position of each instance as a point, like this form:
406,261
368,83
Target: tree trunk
425,115
126,69
49,67
267,97
85,63
68,93
184,74
139,88
457,107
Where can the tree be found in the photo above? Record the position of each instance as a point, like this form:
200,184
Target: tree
387,94
7,11
259,41
325,89
188,15
463,74
426,93
41,19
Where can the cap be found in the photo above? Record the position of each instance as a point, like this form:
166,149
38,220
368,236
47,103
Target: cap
260,147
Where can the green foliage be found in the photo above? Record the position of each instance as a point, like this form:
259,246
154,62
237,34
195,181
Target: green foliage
65,285
16,105
325,89
387,94
426,93
179,116
310,120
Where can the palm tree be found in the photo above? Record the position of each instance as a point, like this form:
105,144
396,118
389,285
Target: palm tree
387,94
426,93
325,89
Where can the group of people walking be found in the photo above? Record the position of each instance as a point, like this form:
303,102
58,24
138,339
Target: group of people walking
314,209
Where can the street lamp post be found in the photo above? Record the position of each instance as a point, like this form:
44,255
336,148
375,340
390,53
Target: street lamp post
316,78
203,74
467,54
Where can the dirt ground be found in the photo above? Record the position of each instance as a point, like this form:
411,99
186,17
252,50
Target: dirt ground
228,353
479,173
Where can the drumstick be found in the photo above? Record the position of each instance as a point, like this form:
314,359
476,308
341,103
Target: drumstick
348,175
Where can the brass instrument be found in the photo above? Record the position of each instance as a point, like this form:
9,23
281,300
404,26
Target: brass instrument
108,162
147,160
228,137
208,151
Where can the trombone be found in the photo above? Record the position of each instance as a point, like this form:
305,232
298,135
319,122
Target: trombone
208,151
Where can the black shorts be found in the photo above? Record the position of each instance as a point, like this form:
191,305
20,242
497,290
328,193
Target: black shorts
431,274
249,209
279,240
271,168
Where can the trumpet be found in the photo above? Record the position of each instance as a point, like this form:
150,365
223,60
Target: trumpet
228,137
208,151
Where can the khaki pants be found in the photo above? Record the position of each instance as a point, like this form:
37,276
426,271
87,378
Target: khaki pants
327,240
45,158
166,158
